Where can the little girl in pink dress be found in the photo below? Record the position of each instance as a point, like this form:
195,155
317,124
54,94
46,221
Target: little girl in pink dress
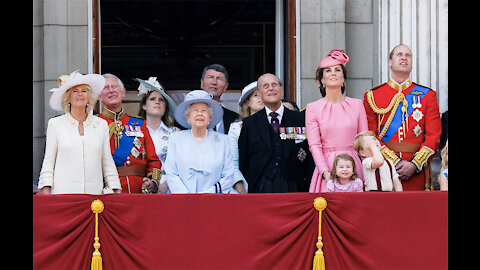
344,178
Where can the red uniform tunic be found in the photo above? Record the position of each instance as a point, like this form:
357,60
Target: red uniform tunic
141,160
416,137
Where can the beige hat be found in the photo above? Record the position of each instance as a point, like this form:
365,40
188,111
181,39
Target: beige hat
65,82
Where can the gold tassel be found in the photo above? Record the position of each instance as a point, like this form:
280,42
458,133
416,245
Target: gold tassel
97,207
319,261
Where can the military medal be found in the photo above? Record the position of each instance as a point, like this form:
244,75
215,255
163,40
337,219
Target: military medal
419,103
137,143
292,133
417,115
133,131
416,102
135,152
417,130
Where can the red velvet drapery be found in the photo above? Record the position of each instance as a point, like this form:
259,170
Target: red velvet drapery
370,230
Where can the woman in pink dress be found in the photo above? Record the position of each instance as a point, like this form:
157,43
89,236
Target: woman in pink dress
333,121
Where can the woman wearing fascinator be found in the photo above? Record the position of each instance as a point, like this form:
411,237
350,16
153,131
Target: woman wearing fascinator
77,153
333,121
199,158
157,108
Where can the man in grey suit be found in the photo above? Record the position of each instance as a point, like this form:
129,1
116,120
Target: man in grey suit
215,81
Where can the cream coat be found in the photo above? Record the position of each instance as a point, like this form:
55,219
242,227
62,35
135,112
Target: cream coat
74,163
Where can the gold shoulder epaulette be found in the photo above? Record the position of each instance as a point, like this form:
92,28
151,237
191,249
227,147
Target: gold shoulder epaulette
135,116
378,86
423,86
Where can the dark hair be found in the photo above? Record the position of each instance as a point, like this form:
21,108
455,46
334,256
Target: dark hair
166,118
216,67
319,75
292,103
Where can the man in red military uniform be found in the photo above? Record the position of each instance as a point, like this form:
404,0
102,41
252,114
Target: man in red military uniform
132,147
406,119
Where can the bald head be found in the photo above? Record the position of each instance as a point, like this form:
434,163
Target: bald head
271,90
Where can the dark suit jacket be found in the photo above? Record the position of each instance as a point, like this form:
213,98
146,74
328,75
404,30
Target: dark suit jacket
255,148
228,118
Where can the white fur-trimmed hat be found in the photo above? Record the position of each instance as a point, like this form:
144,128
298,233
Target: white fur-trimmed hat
65,82
197,96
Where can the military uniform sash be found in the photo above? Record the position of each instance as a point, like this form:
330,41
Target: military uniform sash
132,130
414,97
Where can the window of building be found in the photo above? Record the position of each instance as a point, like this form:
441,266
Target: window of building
175,40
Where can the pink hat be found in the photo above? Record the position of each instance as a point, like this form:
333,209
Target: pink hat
335,57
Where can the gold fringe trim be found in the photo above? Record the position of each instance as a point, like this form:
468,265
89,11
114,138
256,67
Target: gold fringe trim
319,261
97,208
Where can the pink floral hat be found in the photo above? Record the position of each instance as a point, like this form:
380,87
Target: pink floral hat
335,57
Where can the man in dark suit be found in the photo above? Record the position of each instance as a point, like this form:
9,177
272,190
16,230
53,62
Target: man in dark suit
273,151
215,81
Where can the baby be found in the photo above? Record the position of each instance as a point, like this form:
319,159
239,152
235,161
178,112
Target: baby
379,173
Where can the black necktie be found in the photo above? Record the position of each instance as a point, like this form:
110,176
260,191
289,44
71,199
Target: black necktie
275,123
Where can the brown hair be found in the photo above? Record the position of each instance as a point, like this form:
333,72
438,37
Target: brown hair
319,75
393,50
347,157
357,143
166,118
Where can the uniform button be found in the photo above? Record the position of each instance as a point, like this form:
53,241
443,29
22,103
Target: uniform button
128,162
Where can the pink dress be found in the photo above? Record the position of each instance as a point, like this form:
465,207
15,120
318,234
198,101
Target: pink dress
331,130
352,186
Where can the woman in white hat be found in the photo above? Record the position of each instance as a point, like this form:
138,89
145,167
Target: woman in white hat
250,102
199,159
77,153
157,108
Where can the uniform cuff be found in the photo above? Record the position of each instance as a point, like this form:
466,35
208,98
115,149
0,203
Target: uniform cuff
389,154
422,156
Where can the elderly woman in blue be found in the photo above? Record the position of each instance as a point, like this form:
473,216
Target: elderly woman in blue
199,159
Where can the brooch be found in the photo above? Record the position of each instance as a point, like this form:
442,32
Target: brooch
301,154
417,115
417,130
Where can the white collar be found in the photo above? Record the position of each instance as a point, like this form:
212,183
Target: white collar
162,126
279,111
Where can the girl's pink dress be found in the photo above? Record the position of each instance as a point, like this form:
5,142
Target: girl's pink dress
352,186
331,130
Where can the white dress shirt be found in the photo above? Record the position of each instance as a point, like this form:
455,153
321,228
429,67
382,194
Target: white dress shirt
279,111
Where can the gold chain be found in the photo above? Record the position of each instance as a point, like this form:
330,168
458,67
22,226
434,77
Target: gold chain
399,97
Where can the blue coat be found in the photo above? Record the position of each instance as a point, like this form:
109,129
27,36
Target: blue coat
193,167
